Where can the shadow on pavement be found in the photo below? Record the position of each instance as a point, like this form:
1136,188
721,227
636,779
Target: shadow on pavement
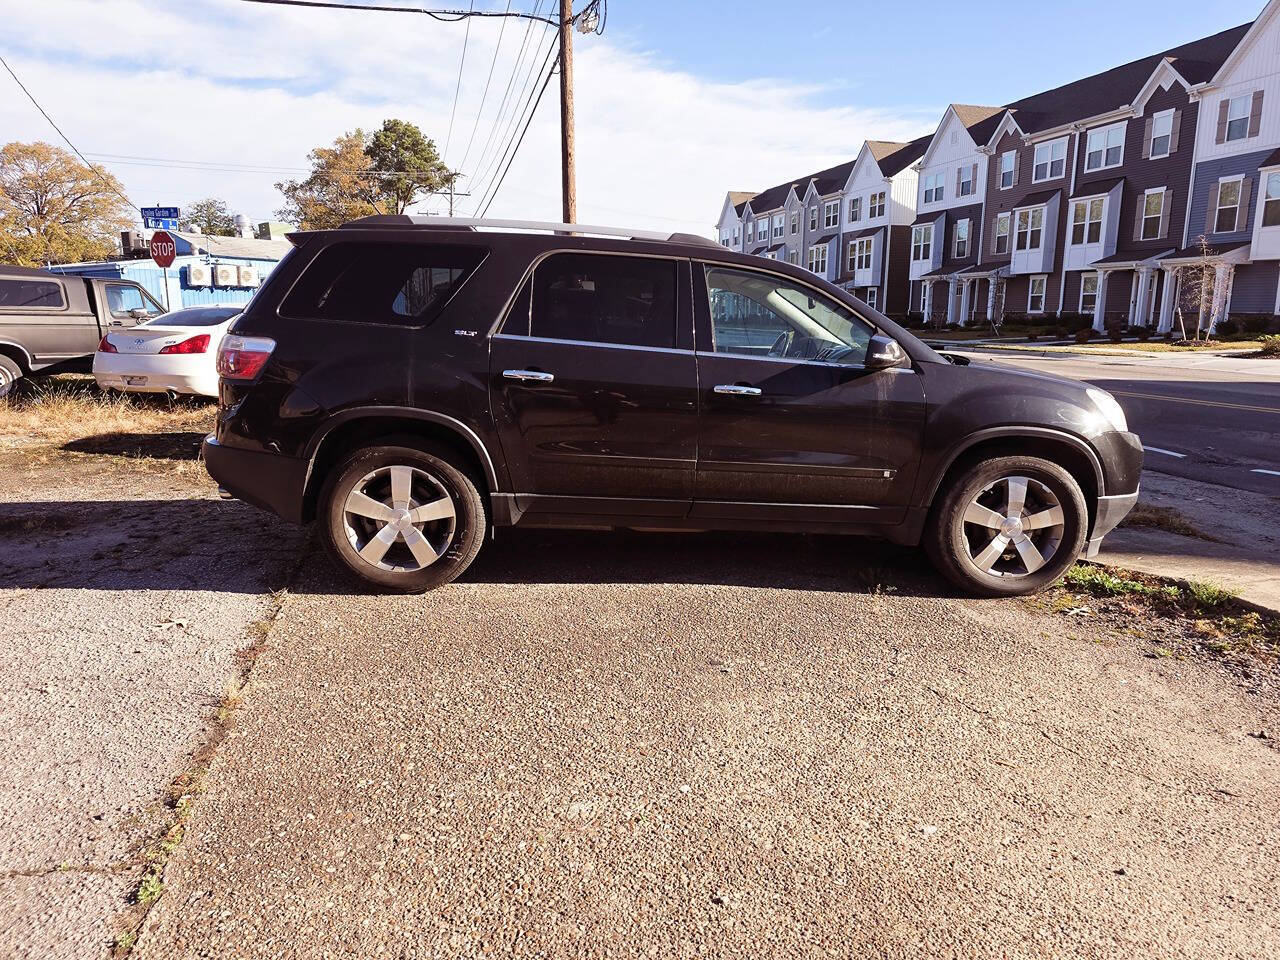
201,544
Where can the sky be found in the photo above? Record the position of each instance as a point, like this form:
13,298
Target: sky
677,102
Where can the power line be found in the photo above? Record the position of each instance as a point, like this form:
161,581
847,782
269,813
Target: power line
498,186
462,62
446,16
109,181
484,96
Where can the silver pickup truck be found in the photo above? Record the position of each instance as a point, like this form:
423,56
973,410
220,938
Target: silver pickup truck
52,322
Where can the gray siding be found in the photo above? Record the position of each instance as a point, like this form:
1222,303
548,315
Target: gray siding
1208,173
1253,290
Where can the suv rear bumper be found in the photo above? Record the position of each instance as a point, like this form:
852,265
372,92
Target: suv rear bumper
271,481
1111,510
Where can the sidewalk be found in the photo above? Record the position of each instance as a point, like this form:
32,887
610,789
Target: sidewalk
1244,555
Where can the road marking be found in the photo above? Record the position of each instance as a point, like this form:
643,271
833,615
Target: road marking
1270,473
1167,453
1202,403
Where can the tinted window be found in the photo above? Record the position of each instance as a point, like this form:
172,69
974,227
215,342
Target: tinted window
195,317
756,313
390,283
604,299
30,293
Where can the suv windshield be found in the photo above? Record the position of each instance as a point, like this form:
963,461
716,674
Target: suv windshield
194,317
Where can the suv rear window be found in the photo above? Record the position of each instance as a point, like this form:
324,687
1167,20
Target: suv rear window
17,294
603,299
400,284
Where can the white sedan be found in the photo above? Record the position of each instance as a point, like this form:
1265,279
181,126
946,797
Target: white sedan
174,353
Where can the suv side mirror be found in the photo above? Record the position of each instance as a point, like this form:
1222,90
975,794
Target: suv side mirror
884,352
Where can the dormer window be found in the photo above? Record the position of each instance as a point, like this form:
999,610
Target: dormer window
1106,147
1050,160
1030,231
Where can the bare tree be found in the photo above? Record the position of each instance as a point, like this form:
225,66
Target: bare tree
1196,284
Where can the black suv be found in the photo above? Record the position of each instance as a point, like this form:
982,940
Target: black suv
413,382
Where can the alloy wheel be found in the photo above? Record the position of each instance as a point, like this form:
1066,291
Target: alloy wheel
1013,527
399,518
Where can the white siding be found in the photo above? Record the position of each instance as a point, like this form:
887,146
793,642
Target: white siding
951,149
1258,68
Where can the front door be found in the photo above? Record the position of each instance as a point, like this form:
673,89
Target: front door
594,387
792,424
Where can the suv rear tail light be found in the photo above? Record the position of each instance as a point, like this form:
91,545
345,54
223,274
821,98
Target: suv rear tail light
196,344
242,358
106,346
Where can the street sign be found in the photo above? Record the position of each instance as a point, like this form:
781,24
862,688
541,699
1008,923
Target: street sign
161,218
163,249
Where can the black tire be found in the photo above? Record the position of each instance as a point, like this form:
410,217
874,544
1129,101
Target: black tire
435,473
10,374
956,546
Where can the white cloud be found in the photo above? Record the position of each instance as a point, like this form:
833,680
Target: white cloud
237,84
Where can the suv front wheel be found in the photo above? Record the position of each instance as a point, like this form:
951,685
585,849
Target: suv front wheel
1008,526
402,518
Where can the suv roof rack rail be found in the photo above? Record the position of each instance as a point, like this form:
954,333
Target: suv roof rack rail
538,226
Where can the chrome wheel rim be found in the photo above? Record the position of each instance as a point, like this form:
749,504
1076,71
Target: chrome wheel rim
1013,527
399,518
6,382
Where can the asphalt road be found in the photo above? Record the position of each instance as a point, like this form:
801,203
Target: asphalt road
1203,418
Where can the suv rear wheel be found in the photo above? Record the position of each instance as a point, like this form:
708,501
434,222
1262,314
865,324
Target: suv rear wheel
402,518
1008,526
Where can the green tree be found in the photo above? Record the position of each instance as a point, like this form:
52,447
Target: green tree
210,216
363,174
55,209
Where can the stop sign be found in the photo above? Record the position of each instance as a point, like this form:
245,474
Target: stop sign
163,249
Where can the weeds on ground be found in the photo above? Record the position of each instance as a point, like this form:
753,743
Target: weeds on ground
1268,345
1164,518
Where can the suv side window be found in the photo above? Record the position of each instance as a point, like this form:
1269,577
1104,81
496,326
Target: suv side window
16,294
398,284
599,298
760,314
121,298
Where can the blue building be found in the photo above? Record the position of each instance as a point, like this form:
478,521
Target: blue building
207,270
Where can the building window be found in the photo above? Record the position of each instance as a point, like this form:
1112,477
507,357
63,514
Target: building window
818,258
872,297
1161,135
1051,160
1106,147
1271,201
751,227
922,242
724,242
813,218
1035,295
1088,292
1238,117
875,206
1228,206
932,188
793,257
960,240
795,223
1152,214
966,180
831,213
862,254
779,220
1030,228
735,236
1007,161
855,209
1086,221
1002,233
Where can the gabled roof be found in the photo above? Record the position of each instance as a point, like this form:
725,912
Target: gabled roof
893,158
981,122
1256,29
1116,88
739,200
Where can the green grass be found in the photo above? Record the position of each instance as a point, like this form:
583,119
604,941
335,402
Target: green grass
1102,582
150,888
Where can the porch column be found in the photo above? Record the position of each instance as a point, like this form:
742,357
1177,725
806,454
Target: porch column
964,302
1140,306
1167,300
951,301
1100,305
991,298
1221,285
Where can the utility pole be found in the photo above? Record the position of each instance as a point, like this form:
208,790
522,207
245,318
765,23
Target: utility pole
568,179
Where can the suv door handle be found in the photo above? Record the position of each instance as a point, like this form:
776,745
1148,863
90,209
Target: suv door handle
528,376
737,390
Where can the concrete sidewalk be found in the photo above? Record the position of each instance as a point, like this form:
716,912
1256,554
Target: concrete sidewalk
1243,556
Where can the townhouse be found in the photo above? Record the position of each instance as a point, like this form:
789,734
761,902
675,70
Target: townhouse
1095,198
946,282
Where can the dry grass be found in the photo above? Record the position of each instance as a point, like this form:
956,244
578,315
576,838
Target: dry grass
1164,518
60,409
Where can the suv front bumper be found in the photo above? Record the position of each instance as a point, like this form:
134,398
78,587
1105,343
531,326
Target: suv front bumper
1111,510
271,481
